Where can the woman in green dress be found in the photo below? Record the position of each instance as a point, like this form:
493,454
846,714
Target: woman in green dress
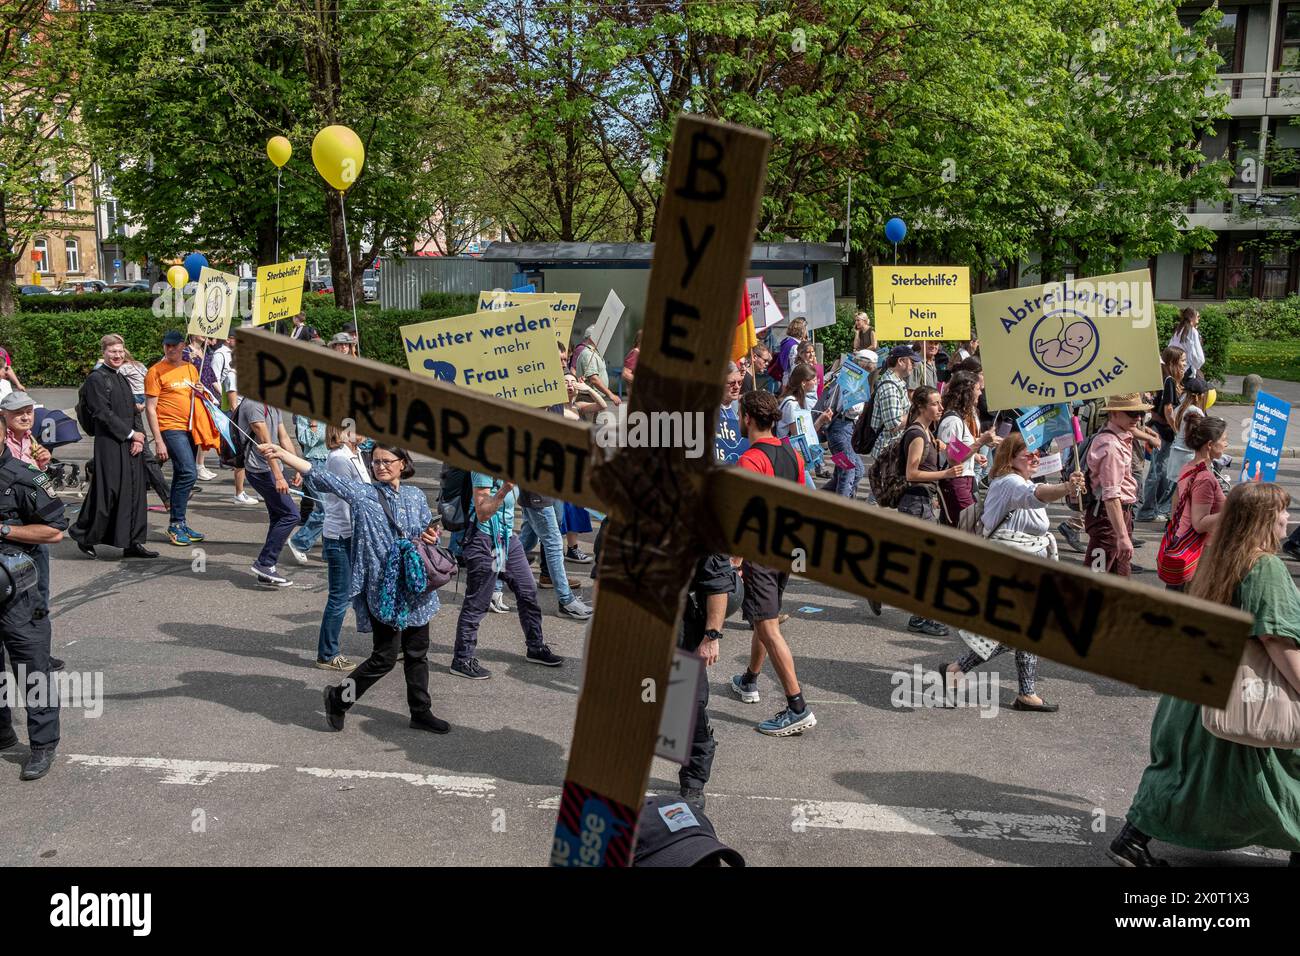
1201,791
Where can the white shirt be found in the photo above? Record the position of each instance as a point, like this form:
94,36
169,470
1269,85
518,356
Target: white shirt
223,367
1191,344
952,427
338,516
1011,492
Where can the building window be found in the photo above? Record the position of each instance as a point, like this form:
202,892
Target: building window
69,195
73,255
1288,55
1241,272
41,256
1275,269
1203,280
53,6
1004,277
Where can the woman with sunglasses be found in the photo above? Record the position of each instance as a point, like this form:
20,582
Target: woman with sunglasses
388,571
1015,516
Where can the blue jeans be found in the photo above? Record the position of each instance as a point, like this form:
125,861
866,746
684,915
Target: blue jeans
840,438
312,529
1157,491
180,449
338,572
543,524
282,517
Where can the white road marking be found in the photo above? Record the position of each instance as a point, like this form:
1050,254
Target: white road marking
196,773
452,786
933,821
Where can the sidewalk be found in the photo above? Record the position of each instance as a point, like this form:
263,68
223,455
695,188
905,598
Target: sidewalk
1237,415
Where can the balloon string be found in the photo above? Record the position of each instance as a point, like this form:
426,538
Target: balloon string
347,253
278,173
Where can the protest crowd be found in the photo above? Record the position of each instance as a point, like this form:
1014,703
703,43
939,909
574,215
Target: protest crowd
910,429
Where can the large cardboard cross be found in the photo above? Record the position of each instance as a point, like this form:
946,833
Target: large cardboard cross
666,510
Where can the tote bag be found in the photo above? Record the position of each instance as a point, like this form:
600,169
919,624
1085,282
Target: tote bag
1263,708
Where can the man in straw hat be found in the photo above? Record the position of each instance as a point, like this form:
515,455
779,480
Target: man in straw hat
1109,521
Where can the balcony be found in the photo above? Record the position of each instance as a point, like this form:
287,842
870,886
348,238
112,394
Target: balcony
1261,94
1275,209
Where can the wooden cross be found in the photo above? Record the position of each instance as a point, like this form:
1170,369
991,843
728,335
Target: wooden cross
666,510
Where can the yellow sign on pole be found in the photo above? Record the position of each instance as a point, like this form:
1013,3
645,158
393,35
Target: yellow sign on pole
509,353
922,302
564,306
214,304
1077,339
279,291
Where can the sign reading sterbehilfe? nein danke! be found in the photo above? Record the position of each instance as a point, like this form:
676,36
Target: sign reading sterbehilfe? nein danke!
509,353
1267,433
922,302
279,291
563,306
1077,339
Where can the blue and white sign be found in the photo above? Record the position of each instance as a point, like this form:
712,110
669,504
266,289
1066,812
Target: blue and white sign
854,383
1267,433
117,263
729,444
1039,425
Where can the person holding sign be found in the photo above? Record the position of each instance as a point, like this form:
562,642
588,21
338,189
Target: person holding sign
959,432
1015,514
1205,791
169,403
590,368
797,423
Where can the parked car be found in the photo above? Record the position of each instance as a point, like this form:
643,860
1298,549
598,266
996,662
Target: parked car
370,285
33,290
322,285
139,285
79,286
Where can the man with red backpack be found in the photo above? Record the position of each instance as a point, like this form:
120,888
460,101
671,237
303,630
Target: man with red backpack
764,586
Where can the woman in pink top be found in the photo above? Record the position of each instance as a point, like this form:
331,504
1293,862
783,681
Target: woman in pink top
1198,484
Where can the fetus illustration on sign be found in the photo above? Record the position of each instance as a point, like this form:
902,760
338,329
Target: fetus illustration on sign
1064,342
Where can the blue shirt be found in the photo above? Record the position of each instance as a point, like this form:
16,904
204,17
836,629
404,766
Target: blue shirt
501,525
728,443
373,536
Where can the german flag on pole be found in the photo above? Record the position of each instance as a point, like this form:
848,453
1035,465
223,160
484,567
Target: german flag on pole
746,337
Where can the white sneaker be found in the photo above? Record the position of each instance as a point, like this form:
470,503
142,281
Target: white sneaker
244,498
299,555
499,604
205,475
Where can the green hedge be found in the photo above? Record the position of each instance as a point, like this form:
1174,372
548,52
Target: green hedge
86,302
449,303
58,349
1261,318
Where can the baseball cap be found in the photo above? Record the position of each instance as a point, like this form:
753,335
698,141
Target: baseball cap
1197,386
865,355
675,833
16,400
173,337
900,352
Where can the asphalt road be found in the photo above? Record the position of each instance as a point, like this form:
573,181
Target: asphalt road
212,749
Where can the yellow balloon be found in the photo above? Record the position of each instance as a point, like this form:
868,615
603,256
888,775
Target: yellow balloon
177,276
1209,399
278,150
338,155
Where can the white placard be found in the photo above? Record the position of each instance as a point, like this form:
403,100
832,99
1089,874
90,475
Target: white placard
1048,465
754,289
602,332
677,722
771,311
816,303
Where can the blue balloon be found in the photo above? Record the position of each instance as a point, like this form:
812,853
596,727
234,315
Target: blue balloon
194,264
895,230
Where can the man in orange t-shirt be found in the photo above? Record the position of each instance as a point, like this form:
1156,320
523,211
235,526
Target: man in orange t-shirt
169,389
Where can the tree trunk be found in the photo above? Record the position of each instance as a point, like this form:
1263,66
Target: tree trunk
863,264
266,251
8,276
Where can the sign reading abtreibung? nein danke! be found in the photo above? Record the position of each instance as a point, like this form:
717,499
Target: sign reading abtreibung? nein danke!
922,302
214,304
1077,339
509,353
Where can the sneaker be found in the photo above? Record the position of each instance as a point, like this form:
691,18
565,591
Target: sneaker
177,536
923,625
298,553
270,577
339,663
1129,848
578,556
876,607
243,498
544,657
426,721
498,603
193,535
205,474
788,723
470,669
334,714
746,692
38,764
1071,536
693,796
576,609
544,581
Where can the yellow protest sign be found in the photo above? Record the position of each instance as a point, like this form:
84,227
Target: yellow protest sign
564,306
279,291
509,353
922,302
1077,339
214,304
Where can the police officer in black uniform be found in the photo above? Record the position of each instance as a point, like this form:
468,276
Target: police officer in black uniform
29,517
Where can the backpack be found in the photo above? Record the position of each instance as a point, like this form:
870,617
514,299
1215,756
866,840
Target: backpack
1090,501
888,475
864,433
84,418
454,493
233,453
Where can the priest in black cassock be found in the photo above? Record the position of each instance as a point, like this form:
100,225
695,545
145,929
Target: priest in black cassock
114,510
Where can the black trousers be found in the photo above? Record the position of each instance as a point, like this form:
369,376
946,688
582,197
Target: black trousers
25,639
696,771
414,644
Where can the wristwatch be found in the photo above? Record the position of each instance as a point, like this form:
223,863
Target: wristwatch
4,530
710,635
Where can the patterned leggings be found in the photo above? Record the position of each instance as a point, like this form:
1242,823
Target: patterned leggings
1026,667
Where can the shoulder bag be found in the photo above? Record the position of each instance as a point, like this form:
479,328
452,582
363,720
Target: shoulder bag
439,565
1263,708
1179,554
